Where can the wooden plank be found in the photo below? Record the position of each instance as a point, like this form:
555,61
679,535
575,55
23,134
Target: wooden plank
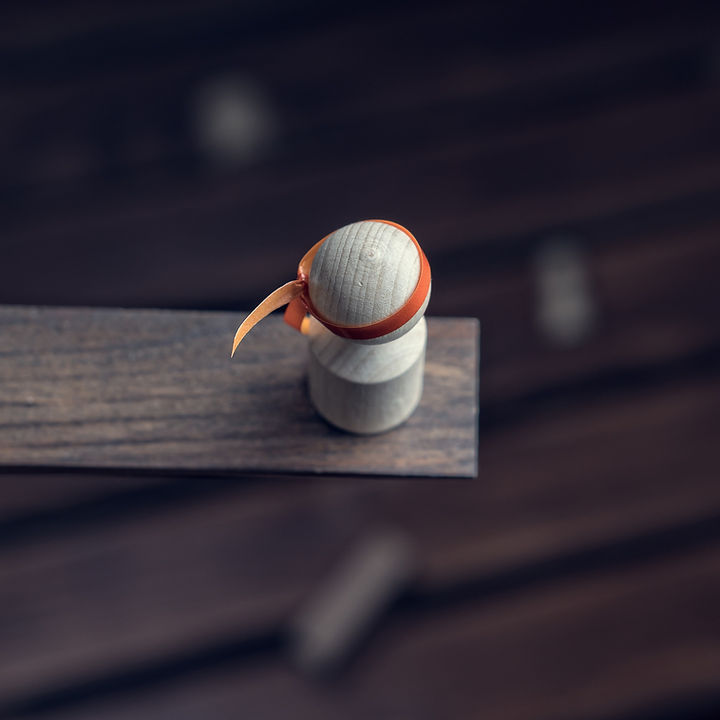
33,494
421,82
156,390
120,589
569,480
612,643
179,215
642,641
655,298
195,237
106,590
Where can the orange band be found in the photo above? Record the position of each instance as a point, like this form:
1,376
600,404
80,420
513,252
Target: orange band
302,304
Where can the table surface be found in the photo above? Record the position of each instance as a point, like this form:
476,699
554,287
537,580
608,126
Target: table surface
577,576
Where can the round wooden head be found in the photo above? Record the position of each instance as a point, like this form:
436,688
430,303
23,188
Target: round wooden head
367,272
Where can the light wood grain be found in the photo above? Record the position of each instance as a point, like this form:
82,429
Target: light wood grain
362,274
157,390
367,388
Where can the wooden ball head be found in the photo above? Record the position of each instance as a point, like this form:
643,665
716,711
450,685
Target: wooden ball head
362,274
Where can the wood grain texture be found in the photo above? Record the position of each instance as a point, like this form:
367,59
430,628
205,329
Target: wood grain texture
170,579
124,187
629,642
363,273
367,388
157,390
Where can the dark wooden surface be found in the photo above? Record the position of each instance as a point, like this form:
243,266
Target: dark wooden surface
156,390
578,575
189,571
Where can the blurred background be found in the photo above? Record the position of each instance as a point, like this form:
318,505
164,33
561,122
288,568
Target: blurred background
560,164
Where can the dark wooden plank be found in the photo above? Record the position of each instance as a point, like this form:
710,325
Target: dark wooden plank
189,239
418,85
33,493
642,641
157,390
101,593
655,297
119,591
570,479
433,185
613,643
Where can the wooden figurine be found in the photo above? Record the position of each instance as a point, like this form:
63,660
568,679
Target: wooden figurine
360,296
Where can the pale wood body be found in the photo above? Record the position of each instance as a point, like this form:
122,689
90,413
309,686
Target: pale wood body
363,273
367,388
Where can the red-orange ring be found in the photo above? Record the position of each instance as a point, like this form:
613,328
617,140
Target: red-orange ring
296,309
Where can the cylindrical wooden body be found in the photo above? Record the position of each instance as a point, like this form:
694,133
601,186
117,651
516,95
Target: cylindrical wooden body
366,388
